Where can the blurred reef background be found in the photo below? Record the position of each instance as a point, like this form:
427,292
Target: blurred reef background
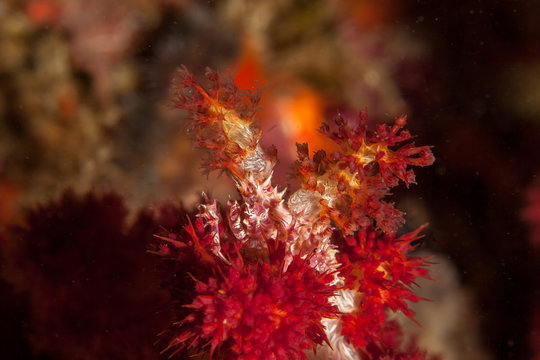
91,150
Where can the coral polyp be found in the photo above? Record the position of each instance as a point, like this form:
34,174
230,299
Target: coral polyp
274,276
259,311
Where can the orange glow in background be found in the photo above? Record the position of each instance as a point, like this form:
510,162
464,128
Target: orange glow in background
300,114
297,112
42,12
370,13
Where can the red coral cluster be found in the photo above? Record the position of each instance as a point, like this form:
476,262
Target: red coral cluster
358,177
363,148
376,266
247,309
271,277
87,278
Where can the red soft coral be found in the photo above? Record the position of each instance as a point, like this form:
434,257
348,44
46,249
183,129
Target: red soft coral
376,265
362,148
263,274
87,279
354,181
252,310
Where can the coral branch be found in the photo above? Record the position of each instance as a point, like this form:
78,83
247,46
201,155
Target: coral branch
353,182
222,120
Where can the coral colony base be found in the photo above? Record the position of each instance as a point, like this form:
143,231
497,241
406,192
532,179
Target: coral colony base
316,274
